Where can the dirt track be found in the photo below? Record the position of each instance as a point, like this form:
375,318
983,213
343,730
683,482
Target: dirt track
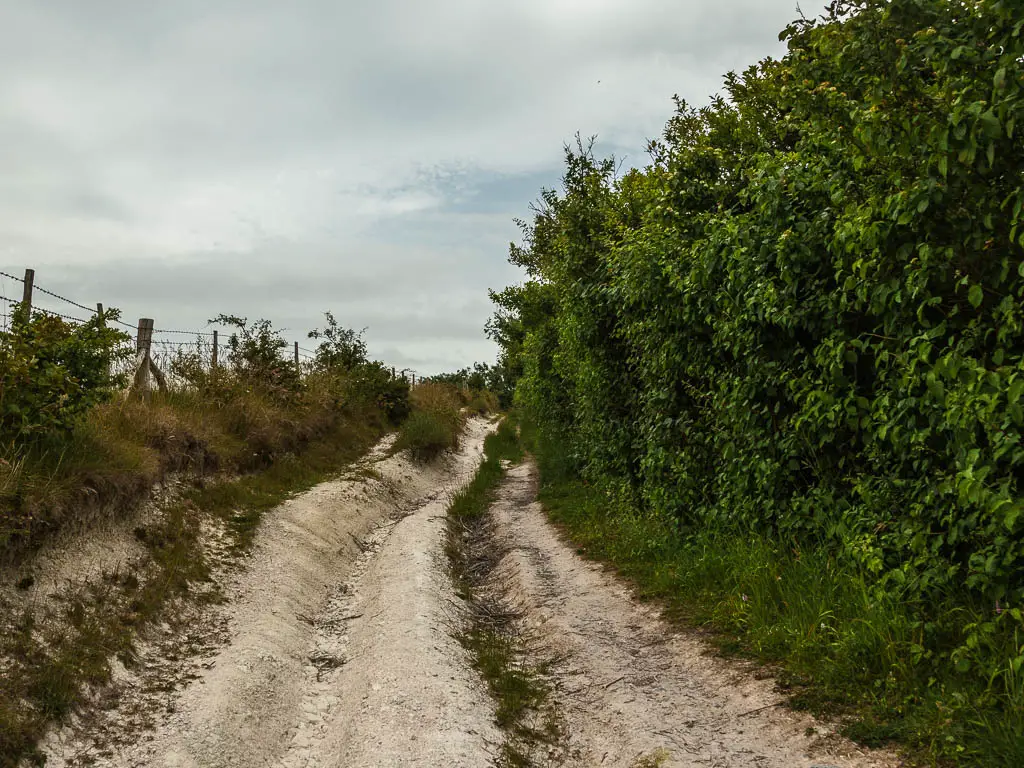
336,649
630,687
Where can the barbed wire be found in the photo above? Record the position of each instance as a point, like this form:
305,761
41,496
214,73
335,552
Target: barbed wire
61,316
42,311
50,293
306,354
62,298
184,333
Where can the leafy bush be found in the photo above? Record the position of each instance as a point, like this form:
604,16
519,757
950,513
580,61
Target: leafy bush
254,355
341,348
52,373
435,422
374,380
496,379
803,320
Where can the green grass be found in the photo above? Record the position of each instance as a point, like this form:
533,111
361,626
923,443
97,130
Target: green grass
498,650
840,646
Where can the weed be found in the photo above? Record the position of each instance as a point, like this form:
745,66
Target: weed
653,760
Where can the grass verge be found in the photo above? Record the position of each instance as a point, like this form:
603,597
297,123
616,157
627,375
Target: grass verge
840,648
53,653
121,448
499,649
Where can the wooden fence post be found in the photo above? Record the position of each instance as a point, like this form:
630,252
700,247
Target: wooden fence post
215,345
394,374
144,335
26,300
297,357
143,348
103,324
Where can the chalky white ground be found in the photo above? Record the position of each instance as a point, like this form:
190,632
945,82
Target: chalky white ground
335,648
632,688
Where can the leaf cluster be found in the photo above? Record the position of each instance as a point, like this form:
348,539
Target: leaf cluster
52,372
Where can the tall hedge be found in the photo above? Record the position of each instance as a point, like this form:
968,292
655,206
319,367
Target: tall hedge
804,317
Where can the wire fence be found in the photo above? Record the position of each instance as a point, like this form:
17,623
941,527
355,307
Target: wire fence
162,346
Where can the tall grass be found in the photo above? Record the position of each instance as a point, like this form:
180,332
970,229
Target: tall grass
122,447
434,425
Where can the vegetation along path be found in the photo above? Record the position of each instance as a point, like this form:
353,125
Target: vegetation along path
628,688
340,646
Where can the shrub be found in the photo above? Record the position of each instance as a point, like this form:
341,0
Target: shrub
375,382
803,320
482,403
340,348
53,372
426,435
435,422
254,355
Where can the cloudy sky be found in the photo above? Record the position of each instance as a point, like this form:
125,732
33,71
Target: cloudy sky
268,159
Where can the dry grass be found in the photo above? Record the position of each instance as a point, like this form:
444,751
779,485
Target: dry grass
481,403
435,423
436,398
124,447
55,652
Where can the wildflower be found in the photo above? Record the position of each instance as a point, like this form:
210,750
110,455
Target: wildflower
999,608
745,598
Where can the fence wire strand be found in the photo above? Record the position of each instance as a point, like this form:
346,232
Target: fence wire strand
165,349
62,298
184,333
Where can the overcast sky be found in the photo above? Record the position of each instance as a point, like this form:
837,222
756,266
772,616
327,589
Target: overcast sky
269,159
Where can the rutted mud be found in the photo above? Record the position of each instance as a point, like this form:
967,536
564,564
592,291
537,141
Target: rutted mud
631,690
332,649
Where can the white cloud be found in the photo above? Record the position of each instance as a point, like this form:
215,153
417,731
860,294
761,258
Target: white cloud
332,140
